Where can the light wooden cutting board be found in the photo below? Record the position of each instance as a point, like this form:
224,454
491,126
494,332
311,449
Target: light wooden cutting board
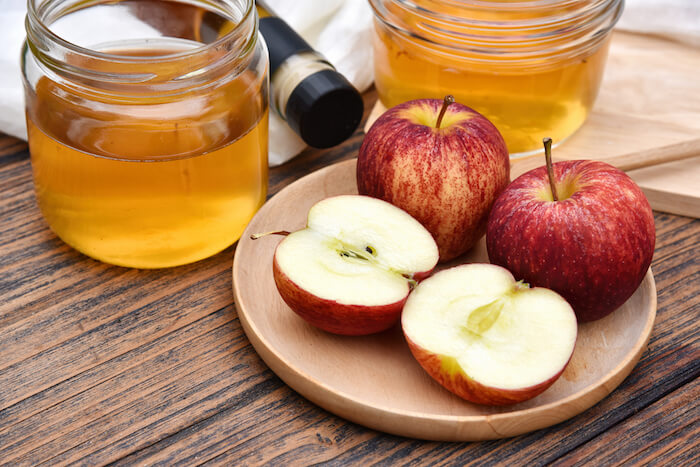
650,98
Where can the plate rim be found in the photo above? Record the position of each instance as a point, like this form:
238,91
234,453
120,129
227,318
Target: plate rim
588,393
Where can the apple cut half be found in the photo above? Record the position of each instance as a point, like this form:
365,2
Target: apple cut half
351,269
487,338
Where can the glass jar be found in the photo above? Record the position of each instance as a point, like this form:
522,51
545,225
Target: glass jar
147,124
532,67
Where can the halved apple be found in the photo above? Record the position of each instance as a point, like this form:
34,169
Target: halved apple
487,338
352,268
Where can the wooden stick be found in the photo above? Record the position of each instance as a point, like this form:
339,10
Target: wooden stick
625,162
650,157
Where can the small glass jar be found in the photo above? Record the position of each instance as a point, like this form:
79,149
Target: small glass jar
147,124
533,67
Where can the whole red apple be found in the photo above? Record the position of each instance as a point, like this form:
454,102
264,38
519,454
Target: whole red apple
440,161
593,245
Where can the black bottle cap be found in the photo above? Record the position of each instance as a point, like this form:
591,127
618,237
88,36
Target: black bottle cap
324,109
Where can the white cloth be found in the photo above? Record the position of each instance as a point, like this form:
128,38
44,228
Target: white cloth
11,93
321,23
339,29
675,19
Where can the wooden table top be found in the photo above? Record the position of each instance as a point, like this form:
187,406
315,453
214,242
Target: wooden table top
106,364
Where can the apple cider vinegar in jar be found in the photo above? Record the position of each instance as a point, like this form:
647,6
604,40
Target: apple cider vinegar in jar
532,67
147,125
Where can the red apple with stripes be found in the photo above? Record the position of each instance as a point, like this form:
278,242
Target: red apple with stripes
581,228
441,162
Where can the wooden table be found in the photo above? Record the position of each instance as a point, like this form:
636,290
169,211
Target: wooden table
106,364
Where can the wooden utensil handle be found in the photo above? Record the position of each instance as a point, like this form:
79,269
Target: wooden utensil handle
626,162
655,156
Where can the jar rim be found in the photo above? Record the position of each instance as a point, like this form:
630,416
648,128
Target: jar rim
538,27
34,13
511,4
50,48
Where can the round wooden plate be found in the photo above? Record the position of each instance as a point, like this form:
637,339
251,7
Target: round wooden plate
374,380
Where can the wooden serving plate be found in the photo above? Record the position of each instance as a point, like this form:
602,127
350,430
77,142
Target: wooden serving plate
374,380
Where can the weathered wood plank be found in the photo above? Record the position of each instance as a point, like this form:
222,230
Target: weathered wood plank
668,431
162,405
106,293
122,389
290,423
146,320
161,349
669,364
11,146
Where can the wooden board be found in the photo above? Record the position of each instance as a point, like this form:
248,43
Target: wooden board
374,381
650,98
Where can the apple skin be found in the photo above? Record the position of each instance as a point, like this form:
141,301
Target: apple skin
446,178
334,317
446,371
593,248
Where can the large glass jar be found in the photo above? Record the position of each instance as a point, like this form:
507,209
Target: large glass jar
533,67
147,124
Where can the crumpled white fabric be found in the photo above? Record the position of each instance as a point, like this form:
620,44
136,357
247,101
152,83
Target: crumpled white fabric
339,29
321,23
674,19
11,93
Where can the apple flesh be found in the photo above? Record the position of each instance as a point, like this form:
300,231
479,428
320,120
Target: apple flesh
593,246
351,269
447,175
487,338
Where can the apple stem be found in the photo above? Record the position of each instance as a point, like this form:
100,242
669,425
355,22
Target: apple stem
412,283
550,167
446,101
274,232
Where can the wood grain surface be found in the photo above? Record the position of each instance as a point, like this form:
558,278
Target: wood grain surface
104,364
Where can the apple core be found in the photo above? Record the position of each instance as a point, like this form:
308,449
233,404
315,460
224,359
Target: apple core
474,326
350,270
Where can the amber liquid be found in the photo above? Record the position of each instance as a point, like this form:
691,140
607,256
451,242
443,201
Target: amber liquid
149,187
550,99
